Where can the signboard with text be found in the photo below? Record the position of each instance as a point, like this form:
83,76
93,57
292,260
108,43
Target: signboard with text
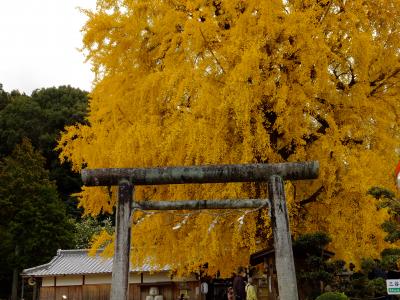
393,286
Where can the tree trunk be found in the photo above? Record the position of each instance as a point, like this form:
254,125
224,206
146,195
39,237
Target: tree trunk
14,287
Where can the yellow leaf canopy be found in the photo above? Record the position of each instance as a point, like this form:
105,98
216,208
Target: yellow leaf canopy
190,82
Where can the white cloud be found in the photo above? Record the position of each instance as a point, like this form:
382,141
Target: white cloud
39,42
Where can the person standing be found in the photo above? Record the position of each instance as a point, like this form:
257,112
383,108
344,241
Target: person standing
251,293
239,286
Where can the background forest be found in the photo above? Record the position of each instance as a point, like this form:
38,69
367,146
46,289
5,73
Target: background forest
38,212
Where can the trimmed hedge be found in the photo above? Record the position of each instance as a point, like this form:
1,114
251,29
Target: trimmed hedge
332,296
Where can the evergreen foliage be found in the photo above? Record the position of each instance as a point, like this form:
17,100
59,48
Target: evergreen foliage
312,263
33,223
41,117
388,200
87,228
4,97
332,296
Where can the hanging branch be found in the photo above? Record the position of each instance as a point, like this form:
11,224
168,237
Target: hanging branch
313,197
212,52
326,11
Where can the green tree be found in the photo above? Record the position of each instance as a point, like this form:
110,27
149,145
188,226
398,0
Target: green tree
4,97
41,117
60,107
88,227
387,199
21,118
33,221
332,296
312,266
369,281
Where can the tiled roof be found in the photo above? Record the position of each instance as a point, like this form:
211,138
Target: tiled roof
78,262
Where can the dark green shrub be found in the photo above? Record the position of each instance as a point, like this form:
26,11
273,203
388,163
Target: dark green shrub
332,296
377,287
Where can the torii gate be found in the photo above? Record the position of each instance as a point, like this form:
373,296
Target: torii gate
274,174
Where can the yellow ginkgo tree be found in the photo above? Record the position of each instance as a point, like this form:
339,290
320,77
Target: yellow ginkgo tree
193,82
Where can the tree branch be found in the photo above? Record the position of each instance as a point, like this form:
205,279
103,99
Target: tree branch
313,197
326,11
383,82
123,115
212,52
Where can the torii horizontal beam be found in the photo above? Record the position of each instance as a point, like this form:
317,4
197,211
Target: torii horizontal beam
200,204
201,174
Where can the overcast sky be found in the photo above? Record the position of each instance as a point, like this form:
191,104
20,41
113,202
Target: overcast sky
39,41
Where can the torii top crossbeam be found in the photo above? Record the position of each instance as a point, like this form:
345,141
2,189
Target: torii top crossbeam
201,174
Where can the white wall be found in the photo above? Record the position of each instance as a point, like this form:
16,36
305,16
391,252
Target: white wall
48,281
98,279
69,280
156,277
134,278
66,280
192,277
